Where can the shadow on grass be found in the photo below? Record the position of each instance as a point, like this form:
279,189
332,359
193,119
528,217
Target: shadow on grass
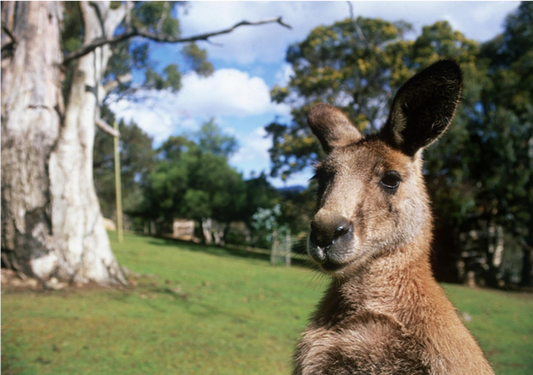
11,364
229,251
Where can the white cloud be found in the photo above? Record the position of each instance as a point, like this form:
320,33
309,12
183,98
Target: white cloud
479,20
228,92
254,150
253,156
283,76
152,118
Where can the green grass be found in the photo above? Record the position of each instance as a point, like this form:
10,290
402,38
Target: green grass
208,311
503,324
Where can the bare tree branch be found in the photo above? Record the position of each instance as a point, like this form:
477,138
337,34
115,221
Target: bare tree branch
84,50
99,9
13,42
351,9
117,81
129,7
107,128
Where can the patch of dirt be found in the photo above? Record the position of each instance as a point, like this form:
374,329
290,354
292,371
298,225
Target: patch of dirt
13,281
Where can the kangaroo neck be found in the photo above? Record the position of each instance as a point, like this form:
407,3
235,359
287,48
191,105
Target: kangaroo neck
386,285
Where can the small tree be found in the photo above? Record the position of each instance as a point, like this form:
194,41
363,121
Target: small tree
267,223
193,179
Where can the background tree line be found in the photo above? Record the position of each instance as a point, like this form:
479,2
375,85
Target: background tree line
189,177
480,175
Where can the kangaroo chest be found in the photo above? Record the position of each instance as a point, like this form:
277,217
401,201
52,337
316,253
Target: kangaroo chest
366,344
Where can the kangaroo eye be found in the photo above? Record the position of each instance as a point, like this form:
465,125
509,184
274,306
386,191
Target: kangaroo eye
391,180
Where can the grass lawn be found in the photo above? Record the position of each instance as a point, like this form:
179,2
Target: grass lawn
203,310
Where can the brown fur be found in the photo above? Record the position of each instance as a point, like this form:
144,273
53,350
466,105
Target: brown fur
383,313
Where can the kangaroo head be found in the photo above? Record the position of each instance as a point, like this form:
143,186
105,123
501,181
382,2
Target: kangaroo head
371,194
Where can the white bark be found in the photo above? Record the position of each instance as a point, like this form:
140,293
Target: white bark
76,216
31,100
51,220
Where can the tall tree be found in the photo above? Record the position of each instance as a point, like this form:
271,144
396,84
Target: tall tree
352,64
32,110
448,163
504,133
192,179
51,220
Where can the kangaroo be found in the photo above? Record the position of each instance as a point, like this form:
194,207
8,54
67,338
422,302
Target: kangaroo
383,312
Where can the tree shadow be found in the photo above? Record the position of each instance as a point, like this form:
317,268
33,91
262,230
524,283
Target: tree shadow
229,251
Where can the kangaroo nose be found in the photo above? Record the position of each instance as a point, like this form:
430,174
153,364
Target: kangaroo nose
327,227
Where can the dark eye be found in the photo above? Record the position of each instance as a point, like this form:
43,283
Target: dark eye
391,180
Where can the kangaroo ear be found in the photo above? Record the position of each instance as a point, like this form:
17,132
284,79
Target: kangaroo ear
424,107
332,127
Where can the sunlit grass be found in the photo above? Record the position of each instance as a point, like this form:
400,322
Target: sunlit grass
201,310
503,324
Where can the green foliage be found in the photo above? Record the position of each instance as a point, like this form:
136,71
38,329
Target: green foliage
222,184
245,318
196,204
480,173
156,17
267,221
259,193
210,138
170,79
352,65
132,55
192,179
196,58
164,189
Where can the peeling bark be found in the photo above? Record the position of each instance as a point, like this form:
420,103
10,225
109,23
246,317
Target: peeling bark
51,220
30,126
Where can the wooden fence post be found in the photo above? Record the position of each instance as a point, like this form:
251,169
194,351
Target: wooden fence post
274,248
288,249
118,187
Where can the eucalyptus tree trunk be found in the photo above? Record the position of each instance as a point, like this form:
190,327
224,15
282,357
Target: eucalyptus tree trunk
31,107
76,216
52,225
51,220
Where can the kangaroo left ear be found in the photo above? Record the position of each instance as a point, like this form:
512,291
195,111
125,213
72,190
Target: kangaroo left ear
424,107
332,128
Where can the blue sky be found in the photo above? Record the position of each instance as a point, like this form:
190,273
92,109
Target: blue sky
250,60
